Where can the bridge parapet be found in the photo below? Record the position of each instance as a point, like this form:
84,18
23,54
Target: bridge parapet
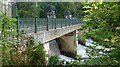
34,25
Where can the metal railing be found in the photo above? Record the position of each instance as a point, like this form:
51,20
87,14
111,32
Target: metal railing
34,25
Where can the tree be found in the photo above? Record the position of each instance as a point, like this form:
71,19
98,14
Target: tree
103,20
32,9
27,9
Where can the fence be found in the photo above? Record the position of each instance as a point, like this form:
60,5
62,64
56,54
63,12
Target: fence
34,25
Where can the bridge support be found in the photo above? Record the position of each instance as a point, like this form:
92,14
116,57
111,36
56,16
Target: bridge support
68,45
51,48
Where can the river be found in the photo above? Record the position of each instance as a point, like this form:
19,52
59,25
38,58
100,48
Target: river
81,50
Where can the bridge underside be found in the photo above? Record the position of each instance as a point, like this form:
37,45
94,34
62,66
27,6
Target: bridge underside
65,38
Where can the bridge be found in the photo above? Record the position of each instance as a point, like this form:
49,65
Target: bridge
46,29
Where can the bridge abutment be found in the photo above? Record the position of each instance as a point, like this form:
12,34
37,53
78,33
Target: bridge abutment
68,45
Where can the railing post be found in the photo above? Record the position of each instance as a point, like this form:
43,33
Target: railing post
36,24
61,23
69,22
72,22
55,23
50,23
18,26
47,24
76,22
65,22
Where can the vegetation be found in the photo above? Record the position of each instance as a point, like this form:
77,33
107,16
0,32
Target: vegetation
101,18
54,60
7,38
18,51
103,22
40,9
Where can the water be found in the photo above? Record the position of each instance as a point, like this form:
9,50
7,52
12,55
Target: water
81,50
54,49
65,58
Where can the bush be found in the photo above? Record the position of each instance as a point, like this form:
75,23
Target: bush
54,60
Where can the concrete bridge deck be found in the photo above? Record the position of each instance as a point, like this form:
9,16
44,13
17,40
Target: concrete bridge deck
46,30
46,36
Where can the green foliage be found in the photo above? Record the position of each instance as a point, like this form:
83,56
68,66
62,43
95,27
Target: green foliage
37,56
77,61
103,21
101,18
27,9
17,52
40,8
7,28
7,36
53,60
25,54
